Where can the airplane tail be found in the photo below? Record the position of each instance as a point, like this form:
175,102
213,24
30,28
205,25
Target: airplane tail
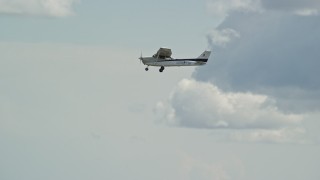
205,55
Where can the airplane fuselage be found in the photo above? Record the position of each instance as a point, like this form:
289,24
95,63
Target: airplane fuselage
163,59
151,61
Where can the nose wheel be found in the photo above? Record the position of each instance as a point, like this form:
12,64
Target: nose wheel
161,69
147,69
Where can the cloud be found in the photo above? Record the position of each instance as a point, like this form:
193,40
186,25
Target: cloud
276,55
307,12
222,8
222,37
283,135
304,8
55,8
262,81
243,117
203,105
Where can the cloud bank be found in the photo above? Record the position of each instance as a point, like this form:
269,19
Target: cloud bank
262,78
255,117
55,8
203,105
272,53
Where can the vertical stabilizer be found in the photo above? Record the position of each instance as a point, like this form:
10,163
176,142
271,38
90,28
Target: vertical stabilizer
205,55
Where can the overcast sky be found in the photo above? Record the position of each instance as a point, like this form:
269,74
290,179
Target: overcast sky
75,102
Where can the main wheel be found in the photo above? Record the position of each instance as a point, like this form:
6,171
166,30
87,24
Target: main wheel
161,69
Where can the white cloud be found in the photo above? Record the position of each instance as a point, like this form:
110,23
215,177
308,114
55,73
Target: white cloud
255,117
203,105
222,37
56,8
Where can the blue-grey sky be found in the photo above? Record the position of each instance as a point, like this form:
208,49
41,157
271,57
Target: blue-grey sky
75,103
121,23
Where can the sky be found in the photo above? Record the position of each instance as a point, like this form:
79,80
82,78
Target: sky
76,103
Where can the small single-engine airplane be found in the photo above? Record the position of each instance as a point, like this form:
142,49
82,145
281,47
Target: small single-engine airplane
163,59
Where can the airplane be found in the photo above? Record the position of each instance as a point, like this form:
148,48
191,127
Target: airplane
163,59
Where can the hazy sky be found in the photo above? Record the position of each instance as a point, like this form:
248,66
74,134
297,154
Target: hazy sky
75,103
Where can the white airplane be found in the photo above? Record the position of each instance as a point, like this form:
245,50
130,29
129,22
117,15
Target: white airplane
163,59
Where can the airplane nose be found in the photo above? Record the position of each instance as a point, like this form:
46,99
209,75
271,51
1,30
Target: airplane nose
141,59
141,56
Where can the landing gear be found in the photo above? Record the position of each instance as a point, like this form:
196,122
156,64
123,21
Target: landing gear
161,69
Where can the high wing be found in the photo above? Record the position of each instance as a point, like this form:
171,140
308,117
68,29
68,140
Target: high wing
163,53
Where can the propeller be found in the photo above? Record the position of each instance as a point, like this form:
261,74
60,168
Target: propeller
141,58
